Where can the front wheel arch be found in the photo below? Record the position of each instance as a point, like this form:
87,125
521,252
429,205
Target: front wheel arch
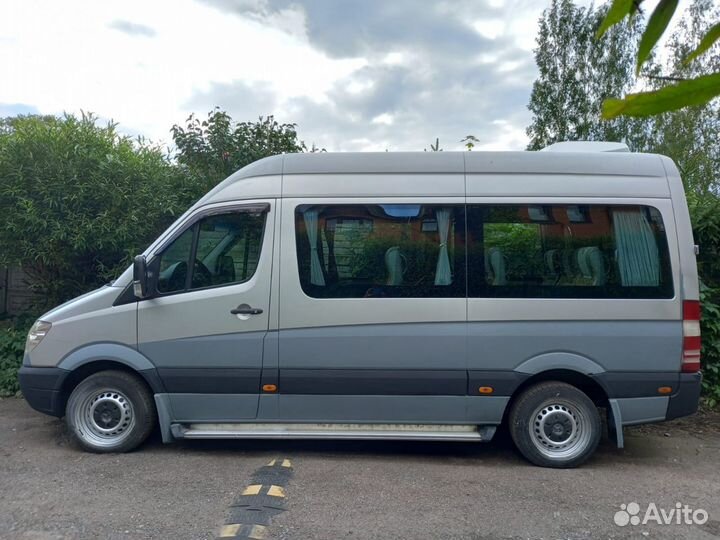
82,372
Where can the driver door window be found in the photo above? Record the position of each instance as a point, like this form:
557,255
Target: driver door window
218,250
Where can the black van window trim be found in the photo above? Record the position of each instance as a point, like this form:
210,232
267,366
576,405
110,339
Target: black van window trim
257,208
252,208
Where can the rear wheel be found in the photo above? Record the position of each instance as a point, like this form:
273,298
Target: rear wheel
110,411
554,424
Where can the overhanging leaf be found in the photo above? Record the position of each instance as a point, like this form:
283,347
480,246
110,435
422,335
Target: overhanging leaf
688,93
615,14
705,43
656,26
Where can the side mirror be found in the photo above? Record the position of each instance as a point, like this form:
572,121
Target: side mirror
140,277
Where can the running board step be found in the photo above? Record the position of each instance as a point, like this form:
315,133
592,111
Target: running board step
421,432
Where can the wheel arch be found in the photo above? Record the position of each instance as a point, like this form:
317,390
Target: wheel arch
582,381
82,363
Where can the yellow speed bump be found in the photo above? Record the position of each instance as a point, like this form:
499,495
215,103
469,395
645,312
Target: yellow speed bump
276,491
258,532
252,490
284,463
229,531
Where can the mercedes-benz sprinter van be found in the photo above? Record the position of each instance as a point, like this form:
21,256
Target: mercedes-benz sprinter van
430,296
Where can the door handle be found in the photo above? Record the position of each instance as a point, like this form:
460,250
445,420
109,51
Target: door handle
244,309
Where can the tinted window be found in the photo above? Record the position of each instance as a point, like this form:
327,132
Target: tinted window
174,263
567,251
224,248
365,251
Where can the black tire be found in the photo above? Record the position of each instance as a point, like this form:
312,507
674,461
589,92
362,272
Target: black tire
110,411
554,424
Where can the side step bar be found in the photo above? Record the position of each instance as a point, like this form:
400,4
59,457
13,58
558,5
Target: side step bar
421,432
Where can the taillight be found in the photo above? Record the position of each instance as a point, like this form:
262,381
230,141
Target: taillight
691,337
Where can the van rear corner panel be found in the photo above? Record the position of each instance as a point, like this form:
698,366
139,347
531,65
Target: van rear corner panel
690,289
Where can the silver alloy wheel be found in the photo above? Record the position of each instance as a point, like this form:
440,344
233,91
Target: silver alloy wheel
104,418
559,430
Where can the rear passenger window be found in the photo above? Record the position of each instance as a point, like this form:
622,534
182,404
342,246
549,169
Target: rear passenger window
567,251
381,251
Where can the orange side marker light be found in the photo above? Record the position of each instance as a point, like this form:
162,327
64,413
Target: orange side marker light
486,389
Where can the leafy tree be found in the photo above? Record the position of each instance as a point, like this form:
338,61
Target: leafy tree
213,149
577,72
78,200
469,142
435,147
691,136
684,92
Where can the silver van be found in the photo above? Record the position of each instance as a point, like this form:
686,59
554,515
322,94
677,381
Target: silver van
430,296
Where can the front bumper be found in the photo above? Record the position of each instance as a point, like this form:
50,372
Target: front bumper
685,401
41,387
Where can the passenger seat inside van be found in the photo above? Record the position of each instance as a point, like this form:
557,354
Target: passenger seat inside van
553,266
225,270
591,264
495,267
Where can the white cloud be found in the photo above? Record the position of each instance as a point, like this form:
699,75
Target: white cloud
64,57
148,64
490,28
383,118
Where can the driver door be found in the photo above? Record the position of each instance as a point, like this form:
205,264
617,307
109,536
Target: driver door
205,327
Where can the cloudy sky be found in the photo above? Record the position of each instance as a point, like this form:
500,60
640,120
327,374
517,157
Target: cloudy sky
353,74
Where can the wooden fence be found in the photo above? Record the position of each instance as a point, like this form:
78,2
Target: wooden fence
15,293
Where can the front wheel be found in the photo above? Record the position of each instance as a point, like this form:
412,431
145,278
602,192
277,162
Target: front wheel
110,411
554,424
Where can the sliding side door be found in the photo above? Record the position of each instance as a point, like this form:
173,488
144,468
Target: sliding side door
373,310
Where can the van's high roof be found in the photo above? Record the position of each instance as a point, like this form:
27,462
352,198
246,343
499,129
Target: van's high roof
561,171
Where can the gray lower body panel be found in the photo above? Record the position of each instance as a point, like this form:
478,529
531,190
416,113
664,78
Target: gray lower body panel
642,410
632,411
185,409
392,409
213,407
612,345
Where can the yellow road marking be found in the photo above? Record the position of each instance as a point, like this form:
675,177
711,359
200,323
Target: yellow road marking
271,463
258,532
286,463
252,490
276,491
228,531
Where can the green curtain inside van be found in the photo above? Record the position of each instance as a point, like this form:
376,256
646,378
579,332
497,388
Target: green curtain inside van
638,258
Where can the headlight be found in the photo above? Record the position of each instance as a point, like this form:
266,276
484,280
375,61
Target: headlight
38,331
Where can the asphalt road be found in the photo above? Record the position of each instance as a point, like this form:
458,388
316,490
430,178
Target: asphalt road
337,490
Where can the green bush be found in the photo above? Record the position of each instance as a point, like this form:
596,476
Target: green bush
212,149
705,215
12,346
710,353
78,200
